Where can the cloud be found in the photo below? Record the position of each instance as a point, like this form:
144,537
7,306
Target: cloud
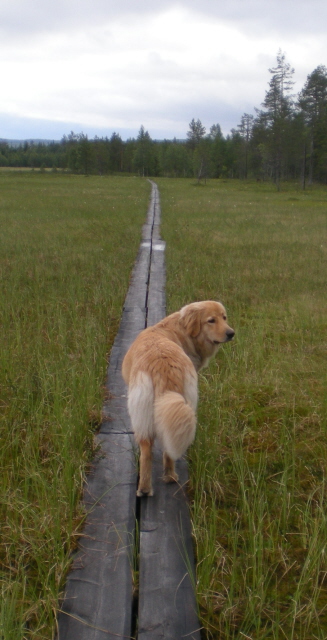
114,74
116,65
18,17
276,16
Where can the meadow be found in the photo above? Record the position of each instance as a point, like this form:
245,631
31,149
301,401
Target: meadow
67,247
258,465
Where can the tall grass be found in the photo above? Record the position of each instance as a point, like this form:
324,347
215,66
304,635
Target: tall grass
67,247
258,465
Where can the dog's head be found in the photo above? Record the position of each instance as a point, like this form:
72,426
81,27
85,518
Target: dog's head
206,323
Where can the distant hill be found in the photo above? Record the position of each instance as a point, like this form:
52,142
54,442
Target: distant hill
20,143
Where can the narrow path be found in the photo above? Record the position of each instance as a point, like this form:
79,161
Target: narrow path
133,573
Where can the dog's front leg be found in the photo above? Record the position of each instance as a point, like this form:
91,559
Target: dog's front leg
145,481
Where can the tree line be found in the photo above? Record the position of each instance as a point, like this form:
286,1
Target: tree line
286,139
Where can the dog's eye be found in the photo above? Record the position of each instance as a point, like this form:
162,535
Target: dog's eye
224,317
212,320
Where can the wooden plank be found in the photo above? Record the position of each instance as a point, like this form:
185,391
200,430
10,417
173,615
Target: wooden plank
99,588
98,599
156,295
167,605
98,596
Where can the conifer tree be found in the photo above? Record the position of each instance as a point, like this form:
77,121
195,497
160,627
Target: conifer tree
313,104
245,129
196,132
142,160
278,111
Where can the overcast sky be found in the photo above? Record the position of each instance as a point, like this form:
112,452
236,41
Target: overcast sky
100,66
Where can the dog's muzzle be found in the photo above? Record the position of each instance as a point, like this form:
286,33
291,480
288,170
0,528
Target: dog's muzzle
230,333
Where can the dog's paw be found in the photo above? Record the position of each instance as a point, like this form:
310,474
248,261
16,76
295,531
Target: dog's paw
170,477
144,494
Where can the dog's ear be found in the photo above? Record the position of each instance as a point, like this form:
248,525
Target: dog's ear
191,320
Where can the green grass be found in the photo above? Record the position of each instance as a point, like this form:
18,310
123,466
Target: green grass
67,247
258,465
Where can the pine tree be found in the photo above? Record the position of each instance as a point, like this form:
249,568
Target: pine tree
196,132
116,152
313,104
143,157
278,105
245,129
217,151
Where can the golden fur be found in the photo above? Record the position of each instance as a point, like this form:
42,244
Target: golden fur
160,369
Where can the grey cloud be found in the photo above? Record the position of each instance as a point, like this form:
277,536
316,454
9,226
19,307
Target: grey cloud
273,16
132,81
160,121
19,16
276,16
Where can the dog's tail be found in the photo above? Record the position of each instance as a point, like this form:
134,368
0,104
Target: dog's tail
140,407
175,423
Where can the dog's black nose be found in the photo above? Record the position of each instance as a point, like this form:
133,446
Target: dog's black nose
230,334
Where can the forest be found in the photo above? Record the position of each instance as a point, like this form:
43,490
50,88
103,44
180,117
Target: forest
286,139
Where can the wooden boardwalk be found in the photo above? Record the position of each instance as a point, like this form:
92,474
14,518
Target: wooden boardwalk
133,573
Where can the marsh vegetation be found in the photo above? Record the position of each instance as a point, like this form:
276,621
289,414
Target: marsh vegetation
258,465
67,249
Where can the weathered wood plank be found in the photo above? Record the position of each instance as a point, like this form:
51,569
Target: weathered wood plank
99,586
167,605
99,589
156,295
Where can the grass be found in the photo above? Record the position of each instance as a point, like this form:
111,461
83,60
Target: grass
67,249
258,465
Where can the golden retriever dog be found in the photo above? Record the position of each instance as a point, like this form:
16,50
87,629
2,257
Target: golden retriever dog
160,369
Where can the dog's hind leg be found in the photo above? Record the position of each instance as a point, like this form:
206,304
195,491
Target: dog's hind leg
169,474
145,481
140,407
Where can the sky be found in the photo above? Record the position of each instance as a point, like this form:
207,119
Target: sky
104,66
